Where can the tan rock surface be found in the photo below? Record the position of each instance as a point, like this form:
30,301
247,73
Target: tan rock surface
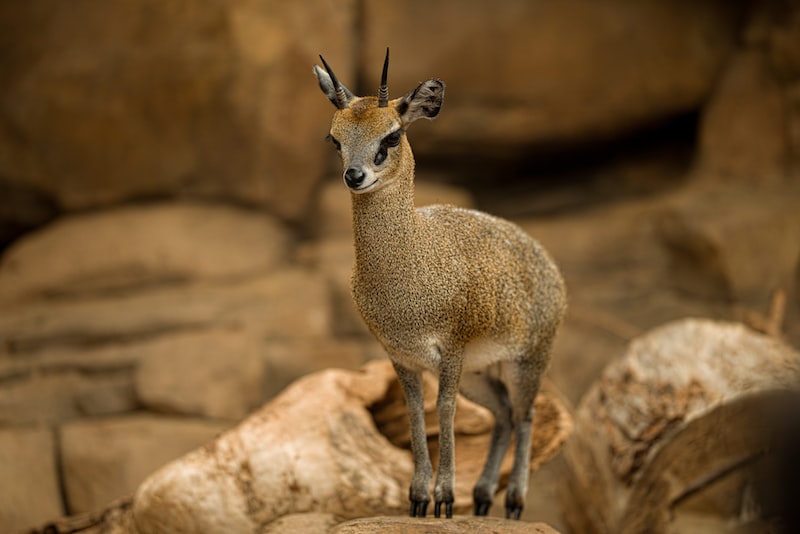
520,73
106,459
686,412
216,374
137,247
27,469
144,99
458,524
316,448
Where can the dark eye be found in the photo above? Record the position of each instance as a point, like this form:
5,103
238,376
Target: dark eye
333,140
391,140
380,157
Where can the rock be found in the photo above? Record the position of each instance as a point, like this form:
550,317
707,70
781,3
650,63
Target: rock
289,360
65,392
310,523
30,492
718,240
214,374
334,258
514,79
145,99
116,518
316,448
685,413
287,303
136,247
312,449
458,524
104,459
743,127
23,209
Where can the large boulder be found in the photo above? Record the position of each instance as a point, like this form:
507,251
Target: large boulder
107,458
138,247
523,73
30,490
102,102
678,431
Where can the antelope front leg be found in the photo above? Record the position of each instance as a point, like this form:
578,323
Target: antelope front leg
449,378
419,492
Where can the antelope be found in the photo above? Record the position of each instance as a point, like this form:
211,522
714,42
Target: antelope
465,295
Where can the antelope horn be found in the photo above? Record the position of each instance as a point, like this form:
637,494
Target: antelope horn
383,91
341,96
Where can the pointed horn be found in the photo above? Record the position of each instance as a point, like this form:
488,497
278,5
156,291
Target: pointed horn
383,91
341,96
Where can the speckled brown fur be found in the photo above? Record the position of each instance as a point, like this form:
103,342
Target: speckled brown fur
463,294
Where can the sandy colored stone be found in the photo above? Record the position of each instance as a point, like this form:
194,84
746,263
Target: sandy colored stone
743,132
136,247
458,524
284,303
310,523
218,374
290,359
65,392
686,412
105,459
738,245
29,492
144,99
316,448
515,79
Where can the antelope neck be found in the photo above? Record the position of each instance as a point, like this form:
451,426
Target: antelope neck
385,223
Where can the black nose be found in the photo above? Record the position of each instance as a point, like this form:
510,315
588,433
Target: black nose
354,177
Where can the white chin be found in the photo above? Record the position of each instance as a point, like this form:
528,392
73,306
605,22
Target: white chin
367,188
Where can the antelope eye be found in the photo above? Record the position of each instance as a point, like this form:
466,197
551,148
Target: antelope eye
380,157
333,140
392,140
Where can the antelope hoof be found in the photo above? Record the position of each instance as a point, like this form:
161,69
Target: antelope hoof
482,507
448,509
482,498
419,508
514,503
513,511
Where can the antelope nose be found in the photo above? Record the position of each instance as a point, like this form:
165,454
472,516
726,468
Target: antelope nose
354,177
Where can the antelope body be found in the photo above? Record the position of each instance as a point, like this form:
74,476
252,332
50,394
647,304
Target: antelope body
465,295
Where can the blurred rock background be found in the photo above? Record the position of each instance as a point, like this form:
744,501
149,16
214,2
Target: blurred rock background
175,239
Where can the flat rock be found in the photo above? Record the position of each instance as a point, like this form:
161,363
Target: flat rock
283,304
514,79
743,132
311,523
331,443
148,99
458,524
30,492
732,244
105,459
136,247
215,374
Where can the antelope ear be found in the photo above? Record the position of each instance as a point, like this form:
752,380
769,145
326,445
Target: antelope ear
423,102
328,87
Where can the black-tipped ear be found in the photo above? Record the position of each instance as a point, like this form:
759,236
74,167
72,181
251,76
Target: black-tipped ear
328,87
423,102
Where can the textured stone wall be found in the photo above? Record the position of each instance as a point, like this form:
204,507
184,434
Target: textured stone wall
176,238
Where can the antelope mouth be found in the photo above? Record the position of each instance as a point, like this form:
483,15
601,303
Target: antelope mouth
366,188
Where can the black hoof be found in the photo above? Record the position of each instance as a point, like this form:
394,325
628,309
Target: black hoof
513,511
419,508
448,509
482,507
